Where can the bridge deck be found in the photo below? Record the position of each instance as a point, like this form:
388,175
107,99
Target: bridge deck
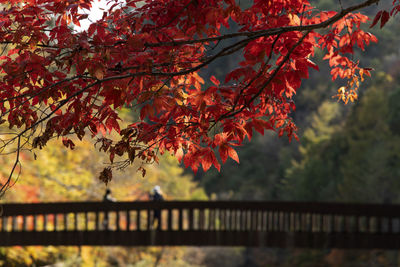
219,223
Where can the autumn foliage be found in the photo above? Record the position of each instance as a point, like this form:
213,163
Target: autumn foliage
148,56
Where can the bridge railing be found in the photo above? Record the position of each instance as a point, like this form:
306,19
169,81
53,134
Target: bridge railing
201,216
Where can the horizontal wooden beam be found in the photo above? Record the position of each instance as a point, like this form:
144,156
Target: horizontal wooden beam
353,209
200,238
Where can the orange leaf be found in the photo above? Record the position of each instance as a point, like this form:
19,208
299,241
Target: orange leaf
232,153
206,162
99,73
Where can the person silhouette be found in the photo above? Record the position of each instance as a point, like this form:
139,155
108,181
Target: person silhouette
107,198
157,197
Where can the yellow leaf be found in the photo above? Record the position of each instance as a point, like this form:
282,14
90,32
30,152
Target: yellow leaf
342,90
294,19
362,74
179,102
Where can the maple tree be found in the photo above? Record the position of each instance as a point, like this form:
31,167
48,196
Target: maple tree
147,56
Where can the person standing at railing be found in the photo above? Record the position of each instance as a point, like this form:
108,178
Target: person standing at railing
157,197
107,198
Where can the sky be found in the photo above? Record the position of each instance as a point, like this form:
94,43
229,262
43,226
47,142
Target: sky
95,14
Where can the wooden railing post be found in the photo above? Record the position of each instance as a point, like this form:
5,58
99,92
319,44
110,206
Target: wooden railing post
169,224
243,220
264,221
390,224
191,219
137,220
45,222
117,221
54,222
149,226
232,215
180,219
321,223
35,223
200,223
65,221
128,220
289,221
24,224
253,220
211,222
96,221
342,227
331,228
75,221
87,222
14,225
357,224
368,224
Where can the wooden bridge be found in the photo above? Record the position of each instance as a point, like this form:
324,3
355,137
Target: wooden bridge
196,223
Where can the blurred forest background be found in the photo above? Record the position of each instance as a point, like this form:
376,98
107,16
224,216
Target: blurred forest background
346,153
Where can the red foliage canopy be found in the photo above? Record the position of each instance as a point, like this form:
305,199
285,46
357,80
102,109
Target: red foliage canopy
147,55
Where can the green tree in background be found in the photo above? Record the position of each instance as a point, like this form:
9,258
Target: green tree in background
356,163
371,166
314,177
256,177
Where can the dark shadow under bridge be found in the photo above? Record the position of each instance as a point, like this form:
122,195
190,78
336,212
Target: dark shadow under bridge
202,223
